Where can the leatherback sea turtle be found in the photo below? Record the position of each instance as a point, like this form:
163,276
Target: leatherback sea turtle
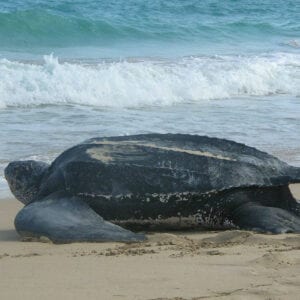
152,179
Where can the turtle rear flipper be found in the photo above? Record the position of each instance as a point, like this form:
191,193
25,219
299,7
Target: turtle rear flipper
65,219
253,216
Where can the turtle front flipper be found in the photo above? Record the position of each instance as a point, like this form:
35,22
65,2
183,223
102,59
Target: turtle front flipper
253,216
66,219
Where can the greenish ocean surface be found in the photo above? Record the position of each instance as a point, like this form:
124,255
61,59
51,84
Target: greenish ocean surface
70,70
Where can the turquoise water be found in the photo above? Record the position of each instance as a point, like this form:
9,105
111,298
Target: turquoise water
71,70
143,28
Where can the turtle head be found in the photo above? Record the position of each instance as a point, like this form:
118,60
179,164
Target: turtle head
24,178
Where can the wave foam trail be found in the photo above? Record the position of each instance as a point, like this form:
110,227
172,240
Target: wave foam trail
143,83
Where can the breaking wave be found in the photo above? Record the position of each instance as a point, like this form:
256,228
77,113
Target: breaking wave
136,83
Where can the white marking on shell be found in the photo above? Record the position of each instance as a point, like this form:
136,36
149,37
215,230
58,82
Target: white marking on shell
102,154
99,154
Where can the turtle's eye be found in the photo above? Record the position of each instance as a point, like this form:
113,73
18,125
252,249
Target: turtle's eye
17,172
18,176
24,178
10,173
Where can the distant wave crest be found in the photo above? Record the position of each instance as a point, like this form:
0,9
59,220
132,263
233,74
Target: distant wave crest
41,27
147,83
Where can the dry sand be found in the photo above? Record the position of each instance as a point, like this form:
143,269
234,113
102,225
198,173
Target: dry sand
181,266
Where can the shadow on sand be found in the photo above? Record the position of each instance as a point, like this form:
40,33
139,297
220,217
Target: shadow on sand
9,235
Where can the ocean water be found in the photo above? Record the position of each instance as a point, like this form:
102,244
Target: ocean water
71,70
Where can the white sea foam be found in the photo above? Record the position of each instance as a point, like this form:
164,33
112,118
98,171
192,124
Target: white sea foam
143,83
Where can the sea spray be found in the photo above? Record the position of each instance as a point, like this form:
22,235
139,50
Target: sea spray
147,82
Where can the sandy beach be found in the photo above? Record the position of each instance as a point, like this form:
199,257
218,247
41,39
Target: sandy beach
182,266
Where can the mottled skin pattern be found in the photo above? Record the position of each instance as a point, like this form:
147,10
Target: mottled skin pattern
153,181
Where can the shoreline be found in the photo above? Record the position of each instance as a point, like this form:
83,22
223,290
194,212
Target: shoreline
169,266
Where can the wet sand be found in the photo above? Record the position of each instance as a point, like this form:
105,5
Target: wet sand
182,266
